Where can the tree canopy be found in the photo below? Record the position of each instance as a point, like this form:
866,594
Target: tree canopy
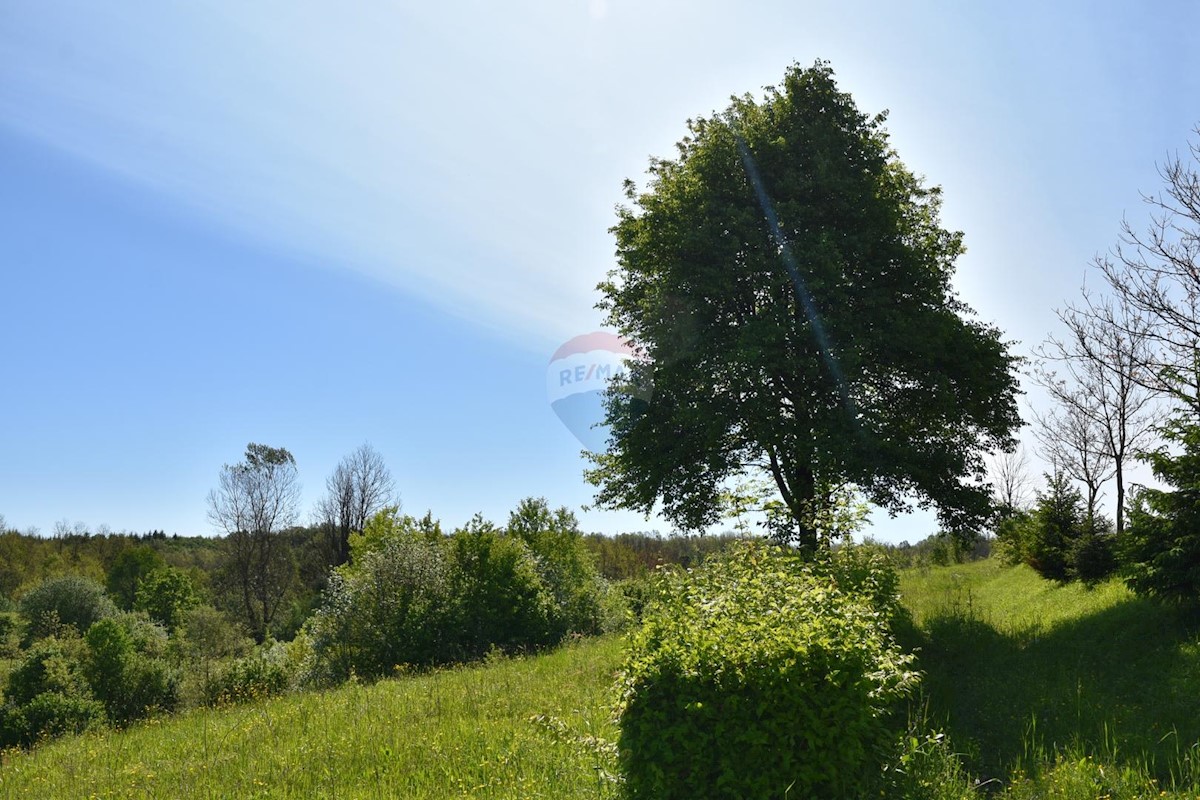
787,282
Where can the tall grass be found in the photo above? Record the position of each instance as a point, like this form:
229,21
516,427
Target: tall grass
513,728
1045,691
1058,682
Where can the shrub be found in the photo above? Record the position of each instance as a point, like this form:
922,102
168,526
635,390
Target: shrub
124,670
47,695
68,600
500,600
1058,521
50,665
1093,557
863,571
1012,537
52,714
565,565
266,672
12,629
129,569
759,675
390,606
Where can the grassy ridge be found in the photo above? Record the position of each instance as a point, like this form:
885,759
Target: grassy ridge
1022,669
470,732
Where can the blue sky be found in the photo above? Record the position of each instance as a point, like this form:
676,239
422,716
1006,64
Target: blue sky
313,225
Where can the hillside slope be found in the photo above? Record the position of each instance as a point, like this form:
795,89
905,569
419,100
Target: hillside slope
470,732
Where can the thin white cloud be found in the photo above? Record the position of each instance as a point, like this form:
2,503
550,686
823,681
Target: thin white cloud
375,139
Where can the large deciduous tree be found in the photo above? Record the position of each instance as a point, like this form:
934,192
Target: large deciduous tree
254,502
787,280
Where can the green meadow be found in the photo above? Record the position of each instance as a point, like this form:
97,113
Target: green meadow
1024,673
510,728
1042,690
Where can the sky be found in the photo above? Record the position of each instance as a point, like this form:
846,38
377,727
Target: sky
314,225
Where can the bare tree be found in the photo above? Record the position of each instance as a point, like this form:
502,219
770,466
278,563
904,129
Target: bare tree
254,502
1104,358
361,485
1156,275
1008,473
1074,443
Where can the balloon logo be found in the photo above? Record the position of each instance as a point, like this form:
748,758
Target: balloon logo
577,377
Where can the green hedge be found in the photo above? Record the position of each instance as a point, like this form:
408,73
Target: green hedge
761,676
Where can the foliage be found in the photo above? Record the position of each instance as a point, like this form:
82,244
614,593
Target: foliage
1161,547
787,282
68,600
390,606
1058,521
205,641
863,571
132,566
1094,556
629,555
411,597
46,695
1011,537
265,672
12,630
500,600
125,670
759,676
166,595
566,568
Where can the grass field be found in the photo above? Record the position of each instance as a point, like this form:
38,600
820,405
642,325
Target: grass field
1022,671
1046,691
474,732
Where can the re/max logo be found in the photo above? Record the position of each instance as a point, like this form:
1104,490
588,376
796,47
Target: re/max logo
582,374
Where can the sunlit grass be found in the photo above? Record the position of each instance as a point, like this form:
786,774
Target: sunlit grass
1024,671
1047,691
471,732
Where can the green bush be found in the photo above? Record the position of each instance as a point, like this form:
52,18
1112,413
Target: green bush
1093,557
12,630
863,571
390,606
128,570
49,665
68,600
52,714
1058,522
1012,537
46,695
565,565
759,675
124,670
500,601
412,597
266,672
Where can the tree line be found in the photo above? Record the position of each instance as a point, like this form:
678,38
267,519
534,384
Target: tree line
108,628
